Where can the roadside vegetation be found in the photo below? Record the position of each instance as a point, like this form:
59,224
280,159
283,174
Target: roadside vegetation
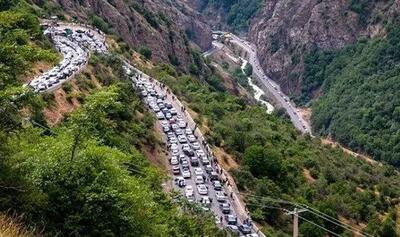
360,101
10,227
237,13
277,162
87,175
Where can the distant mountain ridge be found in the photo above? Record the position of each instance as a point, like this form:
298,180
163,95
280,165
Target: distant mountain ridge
285,31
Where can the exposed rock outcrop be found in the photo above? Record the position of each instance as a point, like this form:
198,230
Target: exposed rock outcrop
285,30
162,26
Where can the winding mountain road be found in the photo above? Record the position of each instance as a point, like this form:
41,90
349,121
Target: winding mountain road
75,42
267,84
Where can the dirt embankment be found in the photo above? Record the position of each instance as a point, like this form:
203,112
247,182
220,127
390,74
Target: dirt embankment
10,227
334,144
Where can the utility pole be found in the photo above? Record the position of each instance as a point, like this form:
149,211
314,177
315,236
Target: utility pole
295,214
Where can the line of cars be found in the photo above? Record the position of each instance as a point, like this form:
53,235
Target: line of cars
74,45
195,174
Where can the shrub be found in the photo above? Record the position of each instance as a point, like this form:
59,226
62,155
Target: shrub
99,23
67,87
146,52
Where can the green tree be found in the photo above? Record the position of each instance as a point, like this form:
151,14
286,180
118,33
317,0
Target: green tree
310,230
262,162
8,4
146,52
388,228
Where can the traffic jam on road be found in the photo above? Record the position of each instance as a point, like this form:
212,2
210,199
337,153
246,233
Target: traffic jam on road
195,172
269,84
74,45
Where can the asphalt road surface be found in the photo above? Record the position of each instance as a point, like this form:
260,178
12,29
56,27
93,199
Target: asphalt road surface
75,49
74,42
145,85
269,85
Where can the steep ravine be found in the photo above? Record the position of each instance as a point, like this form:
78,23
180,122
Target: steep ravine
164,27
286,31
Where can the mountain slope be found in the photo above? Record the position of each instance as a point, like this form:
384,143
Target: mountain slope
86,176
278,163
163,27
286,31
360,105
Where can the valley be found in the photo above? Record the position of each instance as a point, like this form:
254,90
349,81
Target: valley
185,115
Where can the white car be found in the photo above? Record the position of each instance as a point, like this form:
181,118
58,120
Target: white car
189,190
199,179
156,109
180,181
198,171
252,235
160,116
196,146
185,147
182,139
174,161
202,189
165,129
186,174
174,127
205,161
174,146
188,131
182,124
181,157
173,111
220,196
191,138
173,140
175,151
200,153
205,202
190,197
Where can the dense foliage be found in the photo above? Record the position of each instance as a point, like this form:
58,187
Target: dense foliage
360,104
21,43
86,176
237,13
277,162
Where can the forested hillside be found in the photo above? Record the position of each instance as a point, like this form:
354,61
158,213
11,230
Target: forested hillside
86,176
277,162
360,104
237,14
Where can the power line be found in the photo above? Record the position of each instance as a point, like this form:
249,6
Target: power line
333,220
319,226
266,206
315,212
305,219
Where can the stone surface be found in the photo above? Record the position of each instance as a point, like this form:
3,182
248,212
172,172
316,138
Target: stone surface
285,30
165,41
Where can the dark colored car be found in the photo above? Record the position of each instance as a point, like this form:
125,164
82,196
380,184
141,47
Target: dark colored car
194,161
245,229
231,219
225,208
213,176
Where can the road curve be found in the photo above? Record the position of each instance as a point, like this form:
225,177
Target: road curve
268,85
75,44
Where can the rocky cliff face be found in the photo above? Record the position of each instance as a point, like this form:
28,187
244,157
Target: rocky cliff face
286,30
163,26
